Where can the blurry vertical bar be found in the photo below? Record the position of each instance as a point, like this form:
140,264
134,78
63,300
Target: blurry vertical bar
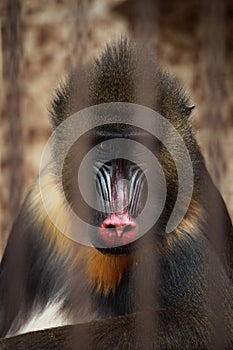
12,159
145,34
79,95
213,50
13,156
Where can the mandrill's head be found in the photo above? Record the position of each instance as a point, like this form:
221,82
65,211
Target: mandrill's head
116,172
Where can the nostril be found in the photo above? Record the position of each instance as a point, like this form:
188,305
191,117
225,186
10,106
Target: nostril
128,228
110,226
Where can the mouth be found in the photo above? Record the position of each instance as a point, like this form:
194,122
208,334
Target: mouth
123,250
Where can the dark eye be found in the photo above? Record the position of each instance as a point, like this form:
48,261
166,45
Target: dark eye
105,150
105,146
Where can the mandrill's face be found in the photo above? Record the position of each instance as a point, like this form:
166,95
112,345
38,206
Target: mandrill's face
119,191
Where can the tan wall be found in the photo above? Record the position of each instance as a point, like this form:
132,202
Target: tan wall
56,34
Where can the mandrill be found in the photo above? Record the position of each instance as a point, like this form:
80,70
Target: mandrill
134,286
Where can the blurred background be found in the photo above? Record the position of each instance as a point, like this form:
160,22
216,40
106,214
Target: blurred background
42,40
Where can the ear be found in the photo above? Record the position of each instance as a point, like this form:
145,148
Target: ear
58,108
189,109
71,96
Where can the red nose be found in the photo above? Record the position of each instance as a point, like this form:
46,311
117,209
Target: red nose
118,230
